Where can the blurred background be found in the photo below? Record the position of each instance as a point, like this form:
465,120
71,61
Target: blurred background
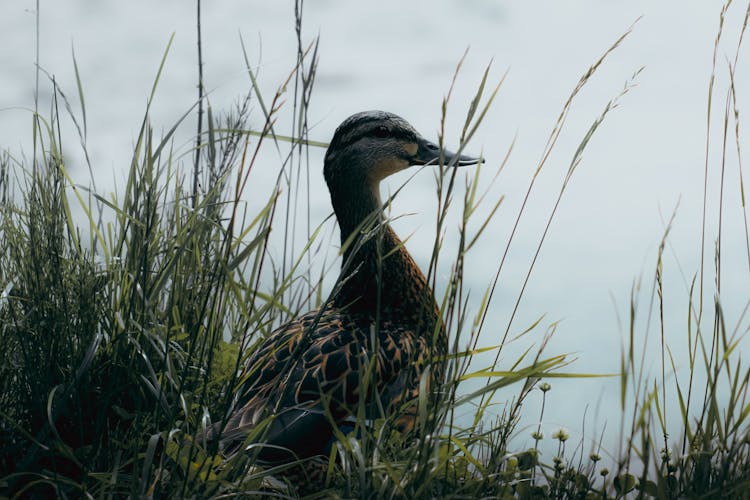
646,160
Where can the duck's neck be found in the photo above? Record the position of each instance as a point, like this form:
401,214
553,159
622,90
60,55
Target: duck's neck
379,278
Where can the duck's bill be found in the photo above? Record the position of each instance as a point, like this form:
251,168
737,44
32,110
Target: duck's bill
429,153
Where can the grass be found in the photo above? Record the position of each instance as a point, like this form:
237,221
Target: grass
122,336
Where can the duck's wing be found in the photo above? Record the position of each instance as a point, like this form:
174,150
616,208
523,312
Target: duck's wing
308,374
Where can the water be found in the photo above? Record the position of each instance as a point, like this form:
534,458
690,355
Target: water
646,158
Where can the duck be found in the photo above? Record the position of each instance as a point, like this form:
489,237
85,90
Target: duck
305,378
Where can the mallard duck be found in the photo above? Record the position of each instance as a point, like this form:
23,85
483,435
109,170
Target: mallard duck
381,316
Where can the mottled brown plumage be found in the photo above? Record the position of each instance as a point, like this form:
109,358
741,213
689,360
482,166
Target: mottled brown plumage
382,316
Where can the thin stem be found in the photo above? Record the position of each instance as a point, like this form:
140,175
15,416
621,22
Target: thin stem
196,170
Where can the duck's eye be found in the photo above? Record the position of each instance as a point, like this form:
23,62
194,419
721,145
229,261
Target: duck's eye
381,132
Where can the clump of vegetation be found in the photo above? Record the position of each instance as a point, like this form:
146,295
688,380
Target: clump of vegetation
122,338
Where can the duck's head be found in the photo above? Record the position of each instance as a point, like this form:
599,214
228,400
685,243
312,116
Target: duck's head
369,146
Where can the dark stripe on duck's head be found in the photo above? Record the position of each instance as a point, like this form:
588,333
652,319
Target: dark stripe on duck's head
376,124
